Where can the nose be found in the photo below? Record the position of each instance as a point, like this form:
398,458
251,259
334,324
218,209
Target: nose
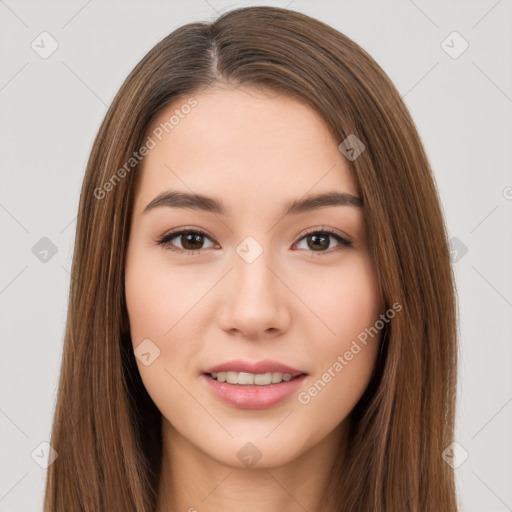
255,299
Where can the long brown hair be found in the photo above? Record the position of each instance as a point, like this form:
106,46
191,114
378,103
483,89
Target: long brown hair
107,429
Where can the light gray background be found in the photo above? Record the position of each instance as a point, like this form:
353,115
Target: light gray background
52,108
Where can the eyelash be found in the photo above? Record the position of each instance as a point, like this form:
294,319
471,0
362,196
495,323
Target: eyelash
164,241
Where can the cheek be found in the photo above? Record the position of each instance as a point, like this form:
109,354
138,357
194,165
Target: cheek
156,298
155,306
347,300
350,306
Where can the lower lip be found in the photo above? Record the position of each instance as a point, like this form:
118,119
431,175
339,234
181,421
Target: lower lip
253,396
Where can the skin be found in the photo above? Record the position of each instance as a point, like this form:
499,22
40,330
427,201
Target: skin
255,151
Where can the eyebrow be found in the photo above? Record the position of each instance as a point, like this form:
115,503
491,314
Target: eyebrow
179,199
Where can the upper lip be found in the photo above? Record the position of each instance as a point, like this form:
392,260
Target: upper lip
256,367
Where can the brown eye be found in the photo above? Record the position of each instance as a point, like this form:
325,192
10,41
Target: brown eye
320,241
192,241
187,240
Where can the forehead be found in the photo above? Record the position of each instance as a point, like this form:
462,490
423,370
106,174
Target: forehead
245,145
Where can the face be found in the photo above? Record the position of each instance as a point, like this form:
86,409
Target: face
246,291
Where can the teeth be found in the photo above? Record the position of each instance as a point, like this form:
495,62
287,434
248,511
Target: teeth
232,377
276,377
244,378
263,379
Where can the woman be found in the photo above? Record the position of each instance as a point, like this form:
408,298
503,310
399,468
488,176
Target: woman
262,310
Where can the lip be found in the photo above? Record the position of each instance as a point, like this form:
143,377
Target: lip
263,366
253,396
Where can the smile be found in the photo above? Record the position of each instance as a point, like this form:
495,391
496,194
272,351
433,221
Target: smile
246,378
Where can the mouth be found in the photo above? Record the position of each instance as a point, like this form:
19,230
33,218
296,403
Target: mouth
252,379
259,371
253,385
